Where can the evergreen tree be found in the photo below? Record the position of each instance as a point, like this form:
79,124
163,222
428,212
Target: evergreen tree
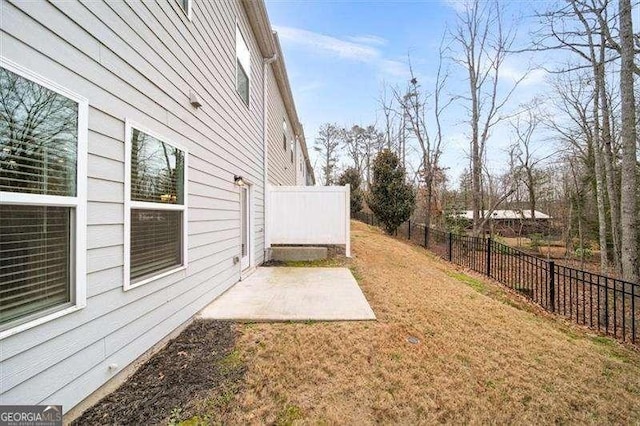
391,198
352,177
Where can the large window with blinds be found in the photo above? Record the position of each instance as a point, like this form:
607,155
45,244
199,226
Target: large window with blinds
42,198
155,206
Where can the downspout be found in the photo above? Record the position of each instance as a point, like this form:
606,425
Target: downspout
265,157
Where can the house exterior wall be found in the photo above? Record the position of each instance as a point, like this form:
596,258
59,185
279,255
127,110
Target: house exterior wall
138,61
280,169
301,166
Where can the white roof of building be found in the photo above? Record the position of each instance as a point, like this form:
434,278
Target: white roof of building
507,214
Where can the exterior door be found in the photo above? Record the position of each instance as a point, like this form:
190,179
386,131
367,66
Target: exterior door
245,227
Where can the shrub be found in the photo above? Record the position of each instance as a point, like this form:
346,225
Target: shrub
391,198
585,251
536,241
352,177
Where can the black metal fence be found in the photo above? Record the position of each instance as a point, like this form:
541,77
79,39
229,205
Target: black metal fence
606,304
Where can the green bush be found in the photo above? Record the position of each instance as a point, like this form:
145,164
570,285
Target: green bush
536,240
584,251
390,198
352,177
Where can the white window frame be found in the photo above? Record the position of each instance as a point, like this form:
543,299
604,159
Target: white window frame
248,70
189,10
130,204
78,204
284,134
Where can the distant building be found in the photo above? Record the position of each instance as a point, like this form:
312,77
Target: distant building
513,222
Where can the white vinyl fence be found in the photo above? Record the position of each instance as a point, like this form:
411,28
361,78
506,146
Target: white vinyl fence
309,215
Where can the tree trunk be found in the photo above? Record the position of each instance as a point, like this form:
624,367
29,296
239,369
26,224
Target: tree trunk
476,161
427,216
612,188
327,170
629,209
599,175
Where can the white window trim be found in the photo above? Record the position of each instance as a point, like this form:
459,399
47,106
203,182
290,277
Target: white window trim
78,203
130,204
251,238
247,71
189,10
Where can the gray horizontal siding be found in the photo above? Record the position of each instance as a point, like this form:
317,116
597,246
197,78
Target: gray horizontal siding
138,60
280,169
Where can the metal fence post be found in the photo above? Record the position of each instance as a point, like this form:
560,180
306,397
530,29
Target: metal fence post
489,257
409,232
426,236
552,285
450,247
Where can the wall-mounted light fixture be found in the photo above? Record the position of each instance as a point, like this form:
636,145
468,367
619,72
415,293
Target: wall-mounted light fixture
239,180
194,99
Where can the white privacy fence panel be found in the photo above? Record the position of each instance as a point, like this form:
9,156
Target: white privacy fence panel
309,215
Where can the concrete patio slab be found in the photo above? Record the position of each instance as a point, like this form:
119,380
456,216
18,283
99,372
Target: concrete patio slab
293,294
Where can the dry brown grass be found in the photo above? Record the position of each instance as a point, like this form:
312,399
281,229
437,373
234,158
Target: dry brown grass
480,359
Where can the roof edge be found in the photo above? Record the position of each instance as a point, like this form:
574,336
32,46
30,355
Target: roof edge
261,26
269,45
282,79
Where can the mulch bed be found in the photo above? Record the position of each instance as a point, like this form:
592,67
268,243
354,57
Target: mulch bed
184,380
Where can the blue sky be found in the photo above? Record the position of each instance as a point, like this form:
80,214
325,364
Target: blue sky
339,53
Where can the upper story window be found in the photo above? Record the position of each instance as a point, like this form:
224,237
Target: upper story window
43,131
243,67
155,207
284,134
187,6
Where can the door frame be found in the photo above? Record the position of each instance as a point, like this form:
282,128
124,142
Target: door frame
247,262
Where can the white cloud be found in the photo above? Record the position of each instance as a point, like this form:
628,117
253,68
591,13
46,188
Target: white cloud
313,86
529,78
327,44
369,39
458,5
363,48
395,68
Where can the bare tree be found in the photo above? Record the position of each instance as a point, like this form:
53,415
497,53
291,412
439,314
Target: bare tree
629,212
586,28
386,104
353,144
413,104
326,145
485,44
527,168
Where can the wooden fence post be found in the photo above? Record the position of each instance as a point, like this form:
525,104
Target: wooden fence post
409,232
450,247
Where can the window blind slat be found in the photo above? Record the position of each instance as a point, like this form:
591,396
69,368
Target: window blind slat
38,138
35,271
157,170
156,241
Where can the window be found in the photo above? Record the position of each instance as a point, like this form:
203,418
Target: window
284,134
187,7
155,207
292,147
43,133
243,67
